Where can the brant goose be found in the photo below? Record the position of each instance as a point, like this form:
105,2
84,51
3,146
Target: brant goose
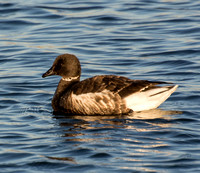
103,94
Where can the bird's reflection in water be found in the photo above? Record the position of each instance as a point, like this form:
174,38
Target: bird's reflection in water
155,114
88,134
78,125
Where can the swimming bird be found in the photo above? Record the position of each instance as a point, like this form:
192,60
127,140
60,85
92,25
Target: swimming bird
102,94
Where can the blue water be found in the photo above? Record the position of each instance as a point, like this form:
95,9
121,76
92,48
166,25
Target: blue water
140,39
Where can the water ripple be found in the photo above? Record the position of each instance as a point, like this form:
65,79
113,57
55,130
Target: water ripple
154,40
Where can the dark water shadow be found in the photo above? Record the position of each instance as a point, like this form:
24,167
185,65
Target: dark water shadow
143,115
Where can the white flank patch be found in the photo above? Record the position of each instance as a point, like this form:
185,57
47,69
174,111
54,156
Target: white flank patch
149,99
87,103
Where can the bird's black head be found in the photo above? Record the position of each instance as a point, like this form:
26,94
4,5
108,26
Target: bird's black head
66,65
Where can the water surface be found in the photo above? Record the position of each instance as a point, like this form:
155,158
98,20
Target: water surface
154,40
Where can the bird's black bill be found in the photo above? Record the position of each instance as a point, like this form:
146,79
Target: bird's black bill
48,73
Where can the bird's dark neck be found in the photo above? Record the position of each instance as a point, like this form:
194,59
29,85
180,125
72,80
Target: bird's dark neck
62,88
